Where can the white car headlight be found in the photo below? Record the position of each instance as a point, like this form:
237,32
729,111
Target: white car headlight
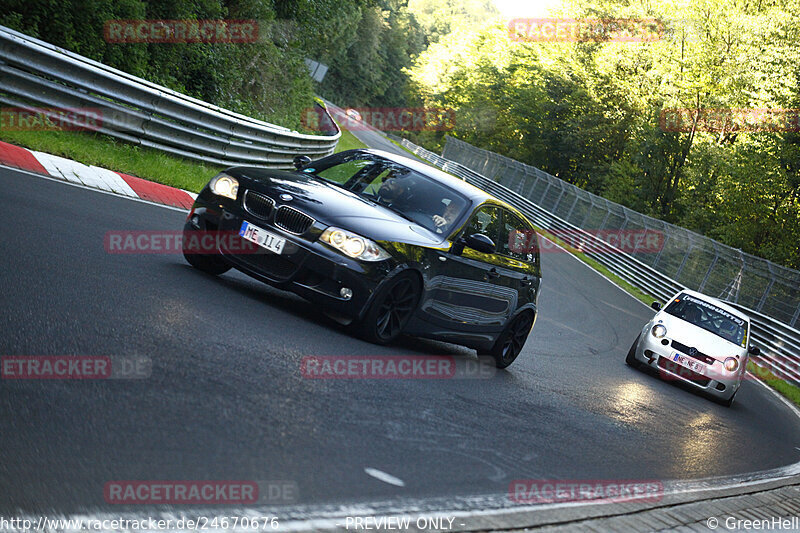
353,245
224,185
659,331
731,364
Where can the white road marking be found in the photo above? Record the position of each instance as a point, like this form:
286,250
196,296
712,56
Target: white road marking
383,476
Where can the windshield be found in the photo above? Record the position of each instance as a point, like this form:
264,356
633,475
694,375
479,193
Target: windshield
413,195
709,317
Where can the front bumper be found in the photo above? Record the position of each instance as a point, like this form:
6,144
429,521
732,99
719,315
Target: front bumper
306,266
712,379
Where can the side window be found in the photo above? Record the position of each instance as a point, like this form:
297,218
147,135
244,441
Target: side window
517,239
486,220
343,172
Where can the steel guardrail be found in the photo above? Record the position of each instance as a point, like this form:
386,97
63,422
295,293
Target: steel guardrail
34,73
779,342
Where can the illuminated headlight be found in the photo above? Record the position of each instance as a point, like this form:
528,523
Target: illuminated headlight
659,331
224,185
731,364
353,245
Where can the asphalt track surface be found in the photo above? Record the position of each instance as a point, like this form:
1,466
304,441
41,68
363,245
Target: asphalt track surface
226,399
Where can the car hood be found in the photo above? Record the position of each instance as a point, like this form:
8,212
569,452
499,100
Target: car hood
335,206
693,336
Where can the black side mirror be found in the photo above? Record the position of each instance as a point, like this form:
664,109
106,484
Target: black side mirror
300,161
481,243
754,350
656,306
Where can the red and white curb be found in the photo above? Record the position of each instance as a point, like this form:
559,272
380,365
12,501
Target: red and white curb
93,177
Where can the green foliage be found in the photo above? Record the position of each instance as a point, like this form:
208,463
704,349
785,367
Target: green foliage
590,112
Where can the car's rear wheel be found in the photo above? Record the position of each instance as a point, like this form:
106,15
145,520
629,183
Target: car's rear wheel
631,357
391,309
510,342
208,263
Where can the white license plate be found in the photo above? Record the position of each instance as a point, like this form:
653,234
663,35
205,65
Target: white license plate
262,237
689,363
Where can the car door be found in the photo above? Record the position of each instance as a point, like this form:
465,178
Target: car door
517,262
461,290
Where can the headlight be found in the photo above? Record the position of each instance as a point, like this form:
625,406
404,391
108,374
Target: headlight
353,245
224,185
659,331
731,364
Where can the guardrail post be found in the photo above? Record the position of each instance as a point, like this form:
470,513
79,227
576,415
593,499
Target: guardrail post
685,257
763,299
708,272
558,200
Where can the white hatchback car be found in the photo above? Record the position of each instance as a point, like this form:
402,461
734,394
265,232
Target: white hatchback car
697,340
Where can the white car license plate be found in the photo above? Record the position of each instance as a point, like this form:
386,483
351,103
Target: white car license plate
689,363
262,237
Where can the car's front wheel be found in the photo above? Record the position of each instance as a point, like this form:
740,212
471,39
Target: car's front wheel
631,357
509,344
729,401
391,309
208,263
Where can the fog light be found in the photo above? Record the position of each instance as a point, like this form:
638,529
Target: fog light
731,364
346,293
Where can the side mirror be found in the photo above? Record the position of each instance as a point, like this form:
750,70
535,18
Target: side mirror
656,306
754,350
300,161
481,243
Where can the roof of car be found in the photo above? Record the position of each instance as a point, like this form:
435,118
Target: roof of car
717,302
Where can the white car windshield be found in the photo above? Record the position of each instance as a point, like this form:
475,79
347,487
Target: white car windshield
710,317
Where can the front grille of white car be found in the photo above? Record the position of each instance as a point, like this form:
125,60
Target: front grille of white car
700,356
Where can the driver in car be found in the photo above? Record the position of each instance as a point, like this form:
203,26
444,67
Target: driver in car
444,221
396,191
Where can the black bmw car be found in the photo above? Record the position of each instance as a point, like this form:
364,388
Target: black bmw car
384,243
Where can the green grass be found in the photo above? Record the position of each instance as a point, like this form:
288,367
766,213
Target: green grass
348,141
107,152
791,392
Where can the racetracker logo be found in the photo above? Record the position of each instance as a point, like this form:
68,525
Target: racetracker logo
74,367
394,367
730,120
383,118
50,119
181,31
538,491
176,242
588,241
181,492
558,30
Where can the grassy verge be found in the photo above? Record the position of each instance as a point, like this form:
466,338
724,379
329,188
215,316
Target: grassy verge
791,392
348,141
107,152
